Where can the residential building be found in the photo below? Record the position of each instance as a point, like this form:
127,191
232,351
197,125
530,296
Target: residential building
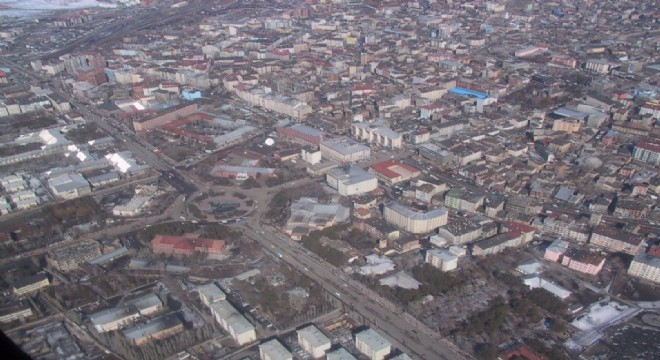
442,259
648,152
584,261
344,150
14,313
646,266
460,232
377,133
351,180
242,172
566,125
416,222
463,200
233,322
393,172
30,284
615,240
372,344
274,350
313,341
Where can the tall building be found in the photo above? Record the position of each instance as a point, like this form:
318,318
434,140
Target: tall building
416,222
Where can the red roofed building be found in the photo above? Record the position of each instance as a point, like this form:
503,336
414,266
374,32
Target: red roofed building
520,352
393,172
526,232
648,152
186,245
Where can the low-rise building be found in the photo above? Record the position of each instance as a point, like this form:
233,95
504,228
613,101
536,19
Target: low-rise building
377,133
393,172
274,350
349,181
156,329
233,322
313,341
30,284
556,250
340,354
186,245
584,261
14,313
67,258
442,259
463,200
302,133
344,150
416,222
210,293
372,344
69,185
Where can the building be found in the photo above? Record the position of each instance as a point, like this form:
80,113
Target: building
566,125
442,259
182,245
242,172
14,313
308,215
117,317
313,341
156,329
30,284
274,350
463,200
434,152
344,150
584,261
340,354
349,181
646,266
164,117
393,172
311,155
615,240
210,293
376,133
233,322
648,152
415,222
69,185
302,133
67,258
460,231
556,250
372,344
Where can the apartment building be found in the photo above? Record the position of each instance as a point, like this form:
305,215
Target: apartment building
463,200
442,259
376,133
30,284
416,222
372,344
646,266
584,261
615,240
313,341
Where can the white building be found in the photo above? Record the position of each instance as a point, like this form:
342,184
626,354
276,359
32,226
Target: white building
412,221
69,185
340,354
233,322
646,267
372,344
313,341
442,259
344,150
351,181
210,293
376,133
274,350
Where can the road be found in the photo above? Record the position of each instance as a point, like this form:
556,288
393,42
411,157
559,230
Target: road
379,313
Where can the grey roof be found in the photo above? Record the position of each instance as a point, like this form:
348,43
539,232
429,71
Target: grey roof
350,176
344,145
233,318
109,256
275,350
340,354
375,340
314,336
416,215
307,130
153,326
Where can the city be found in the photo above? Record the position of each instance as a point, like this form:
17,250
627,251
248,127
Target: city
330,179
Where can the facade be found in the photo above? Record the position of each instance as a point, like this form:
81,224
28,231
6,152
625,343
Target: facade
463,200
351,181
414,221
393,172
181,245
302,133
566,125
377,134
274,350
313,341
646,266
344,150
615,240
311,155
442,259
8,315
233,322
648,152
583,261
67,258
30,284
372,344
460,232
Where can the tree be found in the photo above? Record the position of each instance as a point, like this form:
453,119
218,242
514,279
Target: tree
485,351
